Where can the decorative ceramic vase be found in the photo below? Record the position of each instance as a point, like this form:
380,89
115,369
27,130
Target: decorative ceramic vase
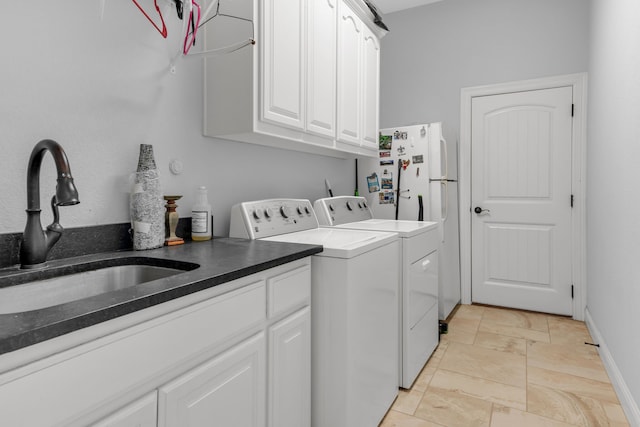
147,203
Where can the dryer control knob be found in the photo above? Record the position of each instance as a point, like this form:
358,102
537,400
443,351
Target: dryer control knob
349,206
307,210
300,210
331,207
257,214
364,204
285,211
268,213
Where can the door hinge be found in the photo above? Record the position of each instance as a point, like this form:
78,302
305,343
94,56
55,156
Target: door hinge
572,198
573,108
572,291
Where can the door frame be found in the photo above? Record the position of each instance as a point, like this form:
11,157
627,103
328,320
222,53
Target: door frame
578,82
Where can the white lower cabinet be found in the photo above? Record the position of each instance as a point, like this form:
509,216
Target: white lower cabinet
238,358
290,371
228,390
141,413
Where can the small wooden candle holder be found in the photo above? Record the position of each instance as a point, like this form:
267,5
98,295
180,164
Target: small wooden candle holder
171,219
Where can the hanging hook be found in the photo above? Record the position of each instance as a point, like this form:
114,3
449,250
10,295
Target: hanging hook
179,8
194,21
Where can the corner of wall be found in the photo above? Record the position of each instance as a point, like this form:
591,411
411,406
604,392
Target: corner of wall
629,405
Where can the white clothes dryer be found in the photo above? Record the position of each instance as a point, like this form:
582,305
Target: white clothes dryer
354,309
417,277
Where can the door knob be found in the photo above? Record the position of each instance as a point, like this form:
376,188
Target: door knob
479,210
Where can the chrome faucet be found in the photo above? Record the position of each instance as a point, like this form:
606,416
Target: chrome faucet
36,243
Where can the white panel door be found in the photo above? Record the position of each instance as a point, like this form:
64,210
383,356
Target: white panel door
283,61
371,89
521,200
349,75
321,67
290,371
229,390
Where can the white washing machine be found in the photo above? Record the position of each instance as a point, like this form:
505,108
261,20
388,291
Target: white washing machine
354,309
417,277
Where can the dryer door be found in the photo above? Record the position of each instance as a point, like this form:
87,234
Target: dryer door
422,288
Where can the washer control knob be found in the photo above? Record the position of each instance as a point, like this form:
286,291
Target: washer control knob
285,211
300,210
331,207
349,206
257,214
307,210
360,205
364,204
268,213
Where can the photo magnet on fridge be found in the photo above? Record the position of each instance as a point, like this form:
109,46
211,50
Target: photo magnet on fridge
384,142
373,183
386,198
400,135
385,154
417,159
386,162
387,180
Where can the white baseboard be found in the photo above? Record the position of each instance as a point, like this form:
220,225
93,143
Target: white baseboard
629,405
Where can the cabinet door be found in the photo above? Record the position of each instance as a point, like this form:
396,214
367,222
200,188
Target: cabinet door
321,67
141,413
229,390
371,89
290,371
349,75
283,63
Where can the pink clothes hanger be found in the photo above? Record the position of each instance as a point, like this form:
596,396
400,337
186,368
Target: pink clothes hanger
162,31
194,23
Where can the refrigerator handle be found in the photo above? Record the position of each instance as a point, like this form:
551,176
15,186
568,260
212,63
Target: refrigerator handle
445,207
443,144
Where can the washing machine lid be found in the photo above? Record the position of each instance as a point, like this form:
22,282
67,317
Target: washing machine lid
405,229
338,243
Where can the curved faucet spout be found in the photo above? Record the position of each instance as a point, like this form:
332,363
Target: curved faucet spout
37,243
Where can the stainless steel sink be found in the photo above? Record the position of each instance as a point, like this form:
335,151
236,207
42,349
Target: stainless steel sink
35,292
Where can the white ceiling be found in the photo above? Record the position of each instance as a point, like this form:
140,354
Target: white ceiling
388,6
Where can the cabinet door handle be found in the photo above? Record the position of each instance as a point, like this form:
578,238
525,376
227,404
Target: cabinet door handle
425,264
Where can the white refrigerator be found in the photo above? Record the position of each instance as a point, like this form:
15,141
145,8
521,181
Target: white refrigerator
415,178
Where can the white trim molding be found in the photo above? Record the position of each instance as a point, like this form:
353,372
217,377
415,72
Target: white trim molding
629,405
578,177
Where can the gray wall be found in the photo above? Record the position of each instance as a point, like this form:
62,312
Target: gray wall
98,82
435,50
613,184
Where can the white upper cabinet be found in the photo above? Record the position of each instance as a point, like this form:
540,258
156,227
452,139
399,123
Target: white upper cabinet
283,76
305,85
370,89
349,75
358,81
321,67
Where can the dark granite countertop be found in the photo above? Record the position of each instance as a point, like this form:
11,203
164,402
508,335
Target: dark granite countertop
221,260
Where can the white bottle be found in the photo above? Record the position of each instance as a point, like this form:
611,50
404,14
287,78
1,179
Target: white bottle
201,217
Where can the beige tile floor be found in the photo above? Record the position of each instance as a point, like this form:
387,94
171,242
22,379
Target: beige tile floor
509,368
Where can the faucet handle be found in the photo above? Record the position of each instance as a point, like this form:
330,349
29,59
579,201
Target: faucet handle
55,225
